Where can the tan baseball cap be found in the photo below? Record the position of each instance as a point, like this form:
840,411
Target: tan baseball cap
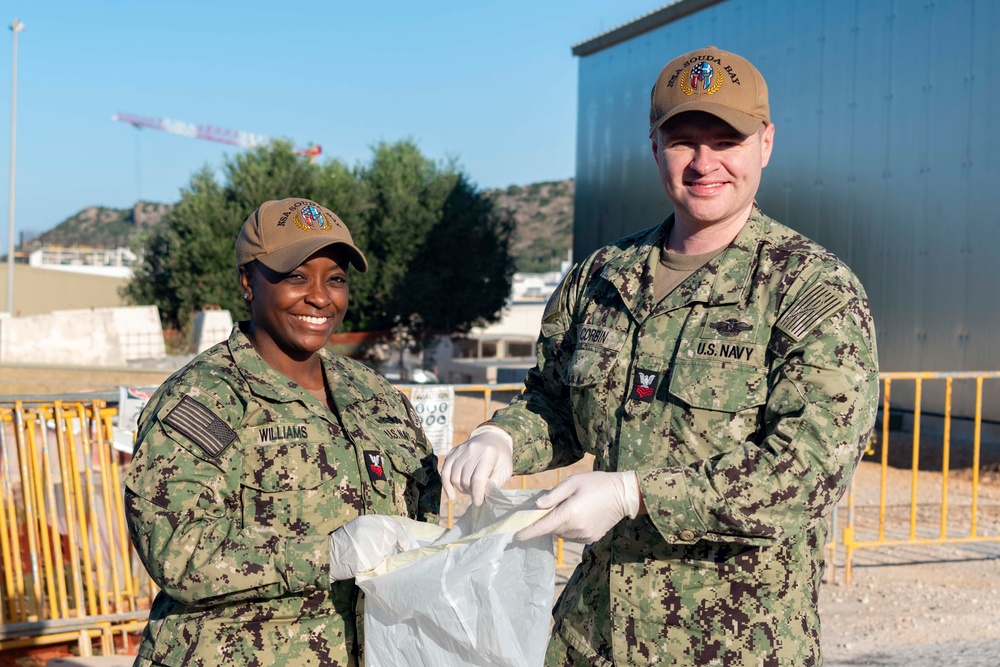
284,233
714,81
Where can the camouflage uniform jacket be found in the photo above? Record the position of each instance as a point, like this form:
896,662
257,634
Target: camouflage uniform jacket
238,478
744,400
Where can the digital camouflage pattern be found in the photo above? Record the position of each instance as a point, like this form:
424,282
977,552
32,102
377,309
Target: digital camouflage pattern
236,533
744,400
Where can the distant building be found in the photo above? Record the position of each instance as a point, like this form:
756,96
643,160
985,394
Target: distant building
41,290
536,287
108,262
502,352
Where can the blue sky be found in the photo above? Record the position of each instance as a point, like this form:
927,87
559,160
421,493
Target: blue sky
492,84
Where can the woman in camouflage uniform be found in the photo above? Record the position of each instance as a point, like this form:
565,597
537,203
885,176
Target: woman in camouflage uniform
261,467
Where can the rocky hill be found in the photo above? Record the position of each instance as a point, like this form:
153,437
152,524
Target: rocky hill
103,227
543,213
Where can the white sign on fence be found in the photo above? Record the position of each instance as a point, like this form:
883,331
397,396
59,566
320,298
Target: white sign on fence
131,401
435,406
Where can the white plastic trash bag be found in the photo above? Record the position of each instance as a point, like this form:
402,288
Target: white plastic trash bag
468,596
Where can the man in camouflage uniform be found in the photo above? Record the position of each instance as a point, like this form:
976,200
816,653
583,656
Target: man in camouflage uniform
722,371
239,478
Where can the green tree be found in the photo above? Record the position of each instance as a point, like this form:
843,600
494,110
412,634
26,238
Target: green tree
442,249
466,254
438,250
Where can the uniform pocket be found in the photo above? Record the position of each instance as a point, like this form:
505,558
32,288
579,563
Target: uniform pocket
290,488
722,388
715,562
588,375
403,459
587,368
285,466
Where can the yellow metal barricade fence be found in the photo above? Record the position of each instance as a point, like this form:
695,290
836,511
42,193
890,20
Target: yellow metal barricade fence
70,574
924,515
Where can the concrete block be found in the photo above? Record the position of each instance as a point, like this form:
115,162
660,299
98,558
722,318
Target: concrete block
210,327
83,337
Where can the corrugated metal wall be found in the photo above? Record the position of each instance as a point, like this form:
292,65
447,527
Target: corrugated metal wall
886,152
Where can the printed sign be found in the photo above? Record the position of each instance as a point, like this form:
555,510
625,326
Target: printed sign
131,401
435,406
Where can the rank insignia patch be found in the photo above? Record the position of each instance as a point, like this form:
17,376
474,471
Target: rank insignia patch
730,327
373,461
644,386
201,426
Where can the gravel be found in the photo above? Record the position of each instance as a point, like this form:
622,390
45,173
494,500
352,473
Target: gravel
918,605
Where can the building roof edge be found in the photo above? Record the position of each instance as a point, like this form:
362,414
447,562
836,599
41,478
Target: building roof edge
654,19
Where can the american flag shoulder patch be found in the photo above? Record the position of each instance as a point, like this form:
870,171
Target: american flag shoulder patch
554,304
200,424
815,305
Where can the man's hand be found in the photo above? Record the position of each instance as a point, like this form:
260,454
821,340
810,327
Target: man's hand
587,505
364,543
487,455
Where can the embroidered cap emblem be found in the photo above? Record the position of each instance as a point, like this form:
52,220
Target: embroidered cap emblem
730,327
701,77
645,385
310,218
373,460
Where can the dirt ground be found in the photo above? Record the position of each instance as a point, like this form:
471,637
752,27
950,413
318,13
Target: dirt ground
918,604
915,605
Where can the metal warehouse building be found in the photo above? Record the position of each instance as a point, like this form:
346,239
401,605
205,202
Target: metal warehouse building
886,152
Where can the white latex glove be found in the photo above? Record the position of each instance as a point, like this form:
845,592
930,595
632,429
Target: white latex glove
587,505
487,455
365,542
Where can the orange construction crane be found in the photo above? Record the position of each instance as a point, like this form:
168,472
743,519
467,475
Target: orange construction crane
207,132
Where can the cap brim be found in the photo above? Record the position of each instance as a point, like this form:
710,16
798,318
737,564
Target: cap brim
285,259
743,123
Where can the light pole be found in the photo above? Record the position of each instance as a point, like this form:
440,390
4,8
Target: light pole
15,27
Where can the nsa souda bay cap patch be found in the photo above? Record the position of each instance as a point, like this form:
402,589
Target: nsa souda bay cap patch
714,81
282,234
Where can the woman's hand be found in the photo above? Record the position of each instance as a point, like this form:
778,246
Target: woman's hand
362,544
